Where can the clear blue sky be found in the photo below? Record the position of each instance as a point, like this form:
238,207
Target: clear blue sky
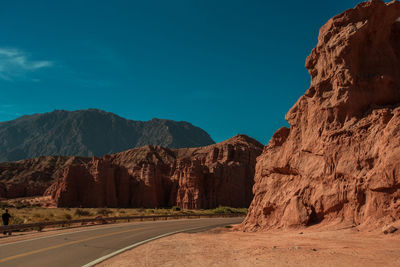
227,66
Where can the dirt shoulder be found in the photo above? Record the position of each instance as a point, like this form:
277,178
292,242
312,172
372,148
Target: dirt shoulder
227,247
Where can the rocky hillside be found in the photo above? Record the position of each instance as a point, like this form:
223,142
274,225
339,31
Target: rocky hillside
339,161
91,133
32,177
149,176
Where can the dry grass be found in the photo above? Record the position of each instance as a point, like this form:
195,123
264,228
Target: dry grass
23,213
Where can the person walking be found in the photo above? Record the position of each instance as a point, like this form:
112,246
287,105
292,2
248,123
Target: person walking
6,219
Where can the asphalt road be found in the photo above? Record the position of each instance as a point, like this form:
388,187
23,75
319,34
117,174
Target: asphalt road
85,245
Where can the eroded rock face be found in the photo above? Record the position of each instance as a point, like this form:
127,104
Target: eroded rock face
31,177
339,161
153,176
97,183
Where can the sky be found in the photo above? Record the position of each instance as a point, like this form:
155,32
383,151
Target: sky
227,66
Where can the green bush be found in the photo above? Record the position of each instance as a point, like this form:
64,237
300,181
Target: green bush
175,208
188,212
39,228
4,205
21,205
222,210
81,212
104,212
229,210
67,216
16,220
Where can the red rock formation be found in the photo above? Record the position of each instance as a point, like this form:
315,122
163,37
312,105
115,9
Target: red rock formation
153,176
31,177
339,161
226,172
97,183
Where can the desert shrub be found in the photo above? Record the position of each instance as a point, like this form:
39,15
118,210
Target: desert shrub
188,212
222,210
16,220
21,205
175,208
67,216
104,212
81,212
241,210
4,205
36,215
39,228
229,210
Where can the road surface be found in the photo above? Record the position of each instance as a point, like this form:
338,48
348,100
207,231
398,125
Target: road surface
86,245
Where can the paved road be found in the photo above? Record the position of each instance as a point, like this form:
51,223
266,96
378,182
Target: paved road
88,244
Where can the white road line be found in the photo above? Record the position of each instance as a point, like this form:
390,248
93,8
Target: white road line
106,257
88,230
49,236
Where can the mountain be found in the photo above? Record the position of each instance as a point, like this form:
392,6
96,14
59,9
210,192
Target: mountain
339,161
91,132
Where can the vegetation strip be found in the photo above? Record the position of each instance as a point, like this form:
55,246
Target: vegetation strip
41,225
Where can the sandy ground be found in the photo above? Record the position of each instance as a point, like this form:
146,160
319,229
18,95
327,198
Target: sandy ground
227,247
43,201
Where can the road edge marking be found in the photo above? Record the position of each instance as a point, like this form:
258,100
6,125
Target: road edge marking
60,234
106,257
67,244
102,226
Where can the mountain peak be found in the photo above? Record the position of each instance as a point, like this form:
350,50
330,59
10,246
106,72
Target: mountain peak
91,132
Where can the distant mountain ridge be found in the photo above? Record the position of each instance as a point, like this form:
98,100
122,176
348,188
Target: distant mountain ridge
91,132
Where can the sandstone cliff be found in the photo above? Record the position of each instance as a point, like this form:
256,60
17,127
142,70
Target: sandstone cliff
150,176
339,161
31,177
153,176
